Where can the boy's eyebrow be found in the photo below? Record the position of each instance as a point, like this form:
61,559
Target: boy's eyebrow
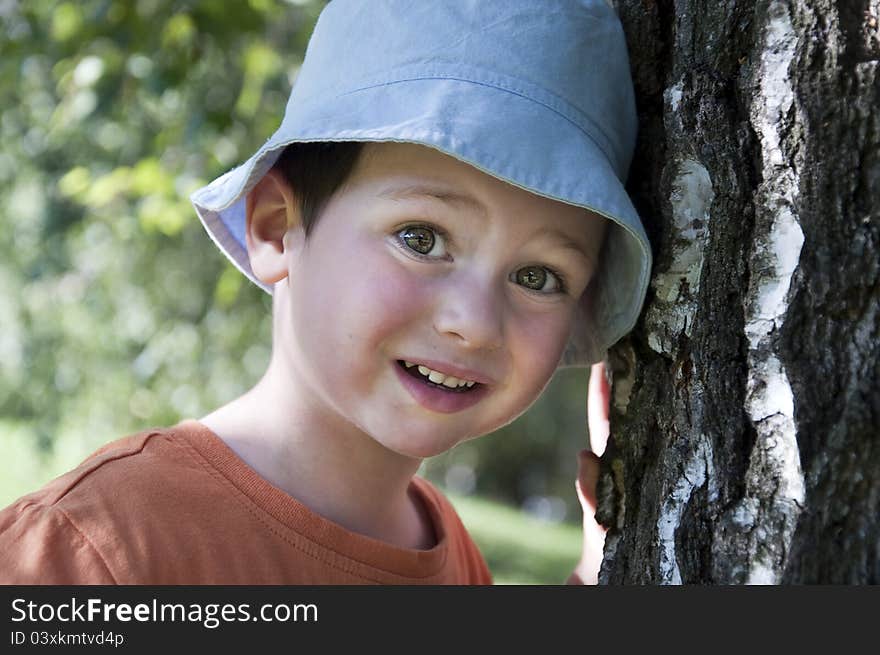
565,241
447,196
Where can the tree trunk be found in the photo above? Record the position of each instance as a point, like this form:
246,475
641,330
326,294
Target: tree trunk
745,413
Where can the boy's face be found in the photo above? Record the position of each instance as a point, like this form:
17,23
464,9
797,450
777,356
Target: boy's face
402,266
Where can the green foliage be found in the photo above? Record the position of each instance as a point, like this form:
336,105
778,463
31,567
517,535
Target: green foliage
117,312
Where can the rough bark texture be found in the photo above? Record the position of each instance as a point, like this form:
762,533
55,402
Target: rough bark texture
745,414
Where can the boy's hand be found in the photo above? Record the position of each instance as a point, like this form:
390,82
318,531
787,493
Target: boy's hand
598,399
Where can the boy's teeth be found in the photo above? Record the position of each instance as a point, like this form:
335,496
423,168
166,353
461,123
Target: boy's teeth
440,378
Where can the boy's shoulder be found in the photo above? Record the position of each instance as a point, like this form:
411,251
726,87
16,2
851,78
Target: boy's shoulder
62,532
117,467
139,509
120,472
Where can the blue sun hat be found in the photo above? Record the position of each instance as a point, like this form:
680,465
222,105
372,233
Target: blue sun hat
537,94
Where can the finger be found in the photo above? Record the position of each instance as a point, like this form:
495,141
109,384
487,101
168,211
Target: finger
594,532
598,408
587,479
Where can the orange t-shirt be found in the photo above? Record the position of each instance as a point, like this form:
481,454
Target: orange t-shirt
178,506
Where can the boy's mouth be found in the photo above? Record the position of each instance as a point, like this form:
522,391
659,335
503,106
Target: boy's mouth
414,371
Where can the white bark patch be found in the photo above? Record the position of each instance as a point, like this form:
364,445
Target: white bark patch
768,392
775,457
775,257
672,96
698,470
761,574
774,480
672,312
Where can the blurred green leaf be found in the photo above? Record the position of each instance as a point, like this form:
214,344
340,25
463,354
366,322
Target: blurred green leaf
75,181
179,30
66,21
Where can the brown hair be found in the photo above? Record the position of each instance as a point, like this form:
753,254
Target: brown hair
315,170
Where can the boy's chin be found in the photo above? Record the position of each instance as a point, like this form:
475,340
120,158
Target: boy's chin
419,448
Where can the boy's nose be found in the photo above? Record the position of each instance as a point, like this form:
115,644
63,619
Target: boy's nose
472,312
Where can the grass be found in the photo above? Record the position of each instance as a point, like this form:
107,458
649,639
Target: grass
519,549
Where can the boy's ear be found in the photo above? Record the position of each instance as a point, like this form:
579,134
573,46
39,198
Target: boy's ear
271,210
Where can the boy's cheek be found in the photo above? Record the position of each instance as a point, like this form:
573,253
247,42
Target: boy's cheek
539,344
365,301
536,349
387,291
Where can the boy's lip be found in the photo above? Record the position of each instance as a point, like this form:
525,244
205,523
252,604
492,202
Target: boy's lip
438,399
460,372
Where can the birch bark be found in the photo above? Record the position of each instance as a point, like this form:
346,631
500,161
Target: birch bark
745,442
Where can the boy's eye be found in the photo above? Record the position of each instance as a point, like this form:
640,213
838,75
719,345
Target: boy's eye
537,277
421,239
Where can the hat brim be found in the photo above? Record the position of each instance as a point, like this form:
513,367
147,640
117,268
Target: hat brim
498,131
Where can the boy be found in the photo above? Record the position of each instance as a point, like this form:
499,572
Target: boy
442,223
